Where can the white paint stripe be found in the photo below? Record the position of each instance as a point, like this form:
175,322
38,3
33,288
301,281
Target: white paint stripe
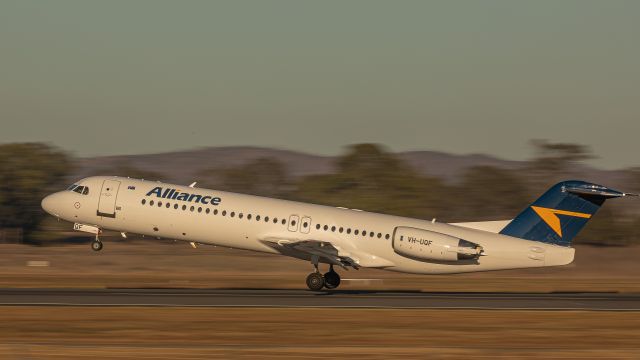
38,263
363,279
327,306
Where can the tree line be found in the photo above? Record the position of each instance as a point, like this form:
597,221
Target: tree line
366,177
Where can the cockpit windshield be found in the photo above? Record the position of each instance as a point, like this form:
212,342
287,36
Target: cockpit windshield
84,190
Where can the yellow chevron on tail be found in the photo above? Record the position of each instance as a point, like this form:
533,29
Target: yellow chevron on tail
550,216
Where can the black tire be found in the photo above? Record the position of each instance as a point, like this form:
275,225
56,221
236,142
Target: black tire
96,245
331,280
315,281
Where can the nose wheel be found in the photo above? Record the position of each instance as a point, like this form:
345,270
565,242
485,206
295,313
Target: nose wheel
96,245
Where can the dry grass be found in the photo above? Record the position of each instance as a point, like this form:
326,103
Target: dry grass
206,333
150,333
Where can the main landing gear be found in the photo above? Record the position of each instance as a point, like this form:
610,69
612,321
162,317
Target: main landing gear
96,245
316,281
331,279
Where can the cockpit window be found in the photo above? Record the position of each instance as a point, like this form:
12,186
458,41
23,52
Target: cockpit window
72,187
84,190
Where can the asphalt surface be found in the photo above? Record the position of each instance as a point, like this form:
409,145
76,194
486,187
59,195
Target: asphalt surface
302,298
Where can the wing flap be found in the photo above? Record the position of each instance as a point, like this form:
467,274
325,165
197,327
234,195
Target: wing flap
328,252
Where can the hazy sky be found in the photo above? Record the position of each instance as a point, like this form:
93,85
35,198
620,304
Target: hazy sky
117,77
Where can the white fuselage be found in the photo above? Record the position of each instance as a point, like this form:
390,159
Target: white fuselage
245,222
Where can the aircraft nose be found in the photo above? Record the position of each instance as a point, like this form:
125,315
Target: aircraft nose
49,204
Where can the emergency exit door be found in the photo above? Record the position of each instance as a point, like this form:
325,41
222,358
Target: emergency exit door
293,222
305,225
108,196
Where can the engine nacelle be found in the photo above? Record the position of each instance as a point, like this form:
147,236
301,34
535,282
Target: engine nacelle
429,245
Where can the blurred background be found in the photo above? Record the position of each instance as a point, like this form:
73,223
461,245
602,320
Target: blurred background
458,110
421,184
454,110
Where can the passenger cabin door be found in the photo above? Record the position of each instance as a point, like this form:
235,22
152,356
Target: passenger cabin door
293,222
108,196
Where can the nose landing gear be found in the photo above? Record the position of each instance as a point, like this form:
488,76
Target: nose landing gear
96,245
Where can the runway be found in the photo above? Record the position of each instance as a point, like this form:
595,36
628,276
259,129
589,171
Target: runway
329,299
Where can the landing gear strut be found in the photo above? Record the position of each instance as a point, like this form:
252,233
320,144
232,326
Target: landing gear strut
316,281
96,245
331,279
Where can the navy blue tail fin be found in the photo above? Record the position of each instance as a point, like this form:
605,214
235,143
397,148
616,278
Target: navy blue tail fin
560,213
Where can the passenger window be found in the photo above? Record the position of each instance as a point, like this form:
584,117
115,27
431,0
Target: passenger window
224,212
233,214
249,217
356,232
386,236
192,208
341,229
144,201
168,205
257,217
175,206
151,202
371,234
215,211
317,226
199,209
240,216
364,232
275,220
379,235
207,211
184,207
284,221
326,227
348,230
333,228
159,203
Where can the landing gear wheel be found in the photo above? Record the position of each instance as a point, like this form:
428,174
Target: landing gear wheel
331,280
315,281
96,245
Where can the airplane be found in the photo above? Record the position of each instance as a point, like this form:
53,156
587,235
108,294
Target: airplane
540,236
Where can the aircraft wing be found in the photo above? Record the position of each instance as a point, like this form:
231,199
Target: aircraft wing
326,252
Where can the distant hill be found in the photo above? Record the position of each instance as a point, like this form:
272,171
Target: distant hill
184,166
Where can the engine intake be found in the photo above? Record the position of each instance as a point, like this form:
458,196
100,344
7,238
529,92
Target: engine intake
429,245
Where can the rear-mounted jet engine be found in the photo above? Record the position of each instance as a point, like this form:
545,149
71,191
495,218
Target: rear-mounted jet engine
432,246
